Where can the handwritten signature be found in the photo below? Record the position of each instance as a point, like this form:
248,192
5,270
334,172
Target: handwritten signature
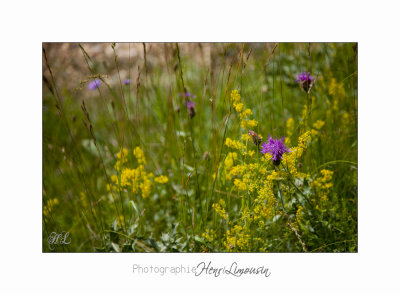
62,238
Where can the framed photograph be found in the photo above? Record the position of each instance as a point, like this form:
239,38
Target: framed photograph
200,147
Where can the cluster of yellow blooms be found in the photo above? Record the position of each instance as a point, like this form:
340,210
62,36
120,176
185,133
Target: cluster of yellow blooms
289,160
139,155
322,186
237,238
318,126
248,176
209,235
161,179
137,180
229,161
258,179
265,201
237,145
234,144
122,158
243,113
220,209
257,182
290,128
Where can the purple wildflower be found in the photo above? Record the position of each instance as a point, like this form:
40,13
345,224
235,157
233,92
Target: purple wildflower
276,148
94,84
127,81
306,81
190,107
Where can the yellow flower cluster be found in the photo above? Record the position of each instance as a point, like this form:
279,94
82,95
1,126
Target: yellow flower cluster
304,140
246,124
258,180
237,239
322,186
246,137
248,176
139,156
241,185
324,182
209,235
138,180
237,145
229,161
161,179
251,153
220,209
234,144
265,201
243,113
257,183
122,158
317,125
289,160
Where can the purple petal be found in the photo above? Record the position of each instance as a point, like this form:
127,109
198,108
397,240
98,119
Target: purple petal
94,84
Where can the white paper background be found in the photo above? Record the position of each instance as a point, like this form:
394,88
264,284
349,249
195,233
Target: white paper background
26,24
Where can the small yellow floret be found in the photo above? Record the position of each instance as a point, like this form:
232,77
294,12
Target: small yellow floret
161,179
319,124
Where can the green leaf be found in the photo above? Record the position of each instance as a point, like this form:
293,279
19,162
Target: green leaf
132,205
276,218
189,168
115,247
199,240
89,146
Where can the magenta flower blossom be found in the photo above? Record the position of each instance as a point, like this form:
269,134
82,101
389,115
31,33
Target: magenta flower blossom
190,107
276,148
190,104
306,81
127,81
94,84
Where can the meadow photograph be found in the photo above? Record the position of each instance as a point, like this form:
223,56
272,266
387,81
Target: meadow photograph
200,147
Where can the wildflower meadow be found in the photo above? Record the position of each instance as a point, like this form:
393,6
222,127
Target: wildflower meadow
200,147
